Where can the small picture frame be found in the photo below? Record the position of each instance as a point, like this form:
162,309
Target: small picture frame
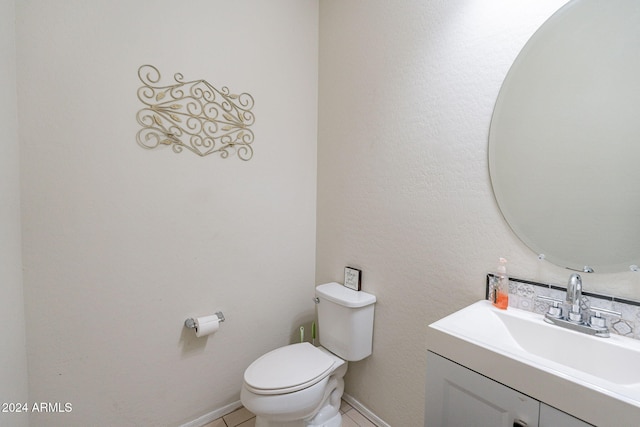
352,278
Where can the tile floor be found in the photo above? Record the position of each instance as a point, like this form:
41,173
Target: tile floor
243,418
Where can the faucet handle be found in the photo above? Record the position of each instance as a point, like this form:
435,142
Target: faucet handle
555,309
596,318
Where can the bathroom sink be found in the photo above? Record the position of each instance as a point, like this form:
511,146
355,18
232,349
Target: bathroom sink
606,365
607,358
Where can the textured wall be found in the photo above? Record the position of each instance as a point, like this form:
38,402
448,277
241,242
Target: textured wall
122,244
406,95
13,361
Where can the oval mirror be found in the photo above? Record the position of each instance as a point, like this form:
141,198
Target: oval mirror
564,143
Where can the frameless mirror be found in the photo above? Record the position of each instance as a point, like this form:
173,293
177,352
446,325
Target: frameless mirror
564,144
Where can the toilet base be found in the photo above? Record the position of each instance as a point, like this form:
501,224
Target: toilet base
335,421
261,422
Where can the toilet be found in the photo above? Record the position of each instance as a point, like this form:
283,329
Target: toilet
300,385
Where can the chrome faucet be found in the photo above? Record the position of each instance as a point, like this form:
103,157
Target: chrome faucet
574,297
594,324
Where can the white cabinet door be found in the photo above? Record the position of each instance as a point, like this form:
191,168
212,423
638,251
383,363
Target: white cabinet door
459,397
551,417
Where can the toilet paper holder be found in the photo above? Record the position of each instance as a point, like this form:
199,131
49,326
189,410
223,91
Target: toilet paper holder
191,323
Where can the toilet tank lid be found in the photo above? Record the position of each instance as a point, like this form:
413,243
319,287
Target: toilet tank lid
344,296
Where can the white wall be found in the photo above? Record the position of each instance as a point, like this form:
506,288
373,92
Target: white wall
13,361
121,244
406,95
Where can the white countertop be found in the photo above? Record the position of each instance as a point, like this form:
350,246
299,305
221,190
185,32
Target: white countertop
484,345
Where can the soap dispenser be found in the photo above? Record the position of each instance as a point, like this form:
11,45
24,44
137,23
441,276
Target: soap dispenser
500,291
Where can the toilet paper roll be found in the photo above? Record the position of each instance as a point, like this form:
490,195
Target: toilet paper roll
207,325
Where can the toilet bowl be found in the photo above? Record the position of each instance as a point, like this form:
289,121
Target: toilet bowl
300,385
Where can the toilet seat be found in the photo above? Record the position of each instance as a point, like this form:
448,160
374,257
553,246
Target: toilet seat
288,369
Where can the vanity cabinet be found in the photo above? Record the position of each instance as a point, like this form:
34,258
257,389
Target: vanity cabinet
457,396
551,417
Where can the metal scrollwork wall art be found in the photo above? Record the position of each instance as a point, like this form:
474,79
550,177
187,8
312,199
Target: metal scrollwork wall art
193,115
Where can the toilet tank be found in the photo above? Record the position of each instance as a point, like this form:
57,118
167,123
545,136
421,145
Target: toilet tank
345,321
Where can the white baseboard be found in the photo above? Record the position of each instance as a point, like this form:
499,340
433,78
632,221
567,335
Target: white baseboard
217,413
364,411
213,415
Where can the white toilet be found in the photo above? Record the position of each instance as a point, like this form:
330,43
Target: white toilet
300,385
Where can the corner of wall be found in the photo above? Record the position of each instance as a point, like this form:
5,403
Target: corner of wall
13,369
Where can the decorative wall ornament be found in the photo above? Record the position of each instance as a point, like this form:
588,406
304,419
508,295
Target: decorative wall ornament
193,115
